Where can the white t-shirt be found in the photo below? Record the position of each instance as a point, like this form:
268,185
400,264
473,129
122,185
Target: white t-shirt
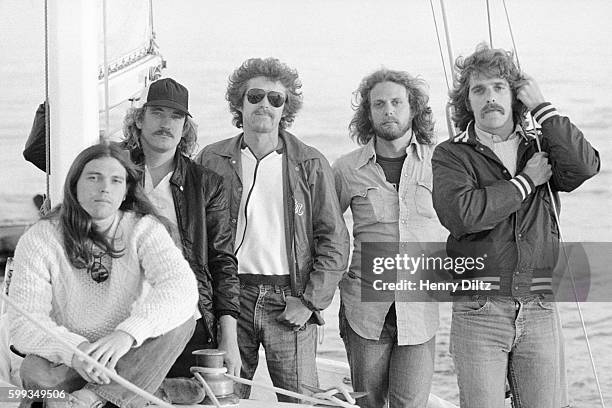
260,237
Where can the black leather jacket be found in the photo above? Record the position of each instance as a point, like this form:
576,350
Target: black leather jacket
203,218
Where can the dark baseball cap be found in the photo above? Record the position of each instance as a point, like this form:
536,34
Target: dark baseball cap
168,93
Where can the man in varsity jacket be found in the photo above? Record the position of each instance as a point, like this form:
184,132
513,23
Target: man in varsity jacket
489,191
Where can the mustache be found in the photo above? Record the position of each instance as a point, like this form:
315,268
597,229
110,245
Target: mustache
390,121
162,132
491,107
263,111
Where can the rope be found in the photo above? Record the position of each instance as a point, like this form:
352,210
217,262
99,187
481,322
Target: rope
110,373
207,388
286,392
561,236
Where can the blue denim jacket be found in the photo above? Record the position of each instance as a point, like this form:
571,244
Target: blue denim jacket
382,214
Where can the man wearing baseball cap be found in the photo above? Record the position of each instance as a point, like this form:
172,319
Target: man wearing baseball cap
161,136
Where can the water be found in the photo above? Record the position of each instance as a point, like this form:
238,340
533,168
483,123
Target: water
565,45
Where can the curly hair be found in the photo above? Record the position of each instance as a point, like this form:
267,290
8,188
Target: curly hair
272,69
77,226
131,132
491,63
422,124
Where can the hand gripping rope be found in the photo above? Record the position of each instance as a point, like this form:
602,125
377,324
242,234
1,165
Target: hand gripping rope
110,373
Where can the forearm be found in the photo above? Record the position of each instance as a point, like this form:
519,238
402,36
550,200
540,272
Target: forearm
228,329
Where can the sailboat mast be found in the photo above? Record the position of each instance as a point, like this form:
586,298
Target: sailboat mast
72,80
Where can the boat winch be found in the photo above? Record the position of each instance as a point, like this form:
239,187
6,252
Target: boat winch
209,370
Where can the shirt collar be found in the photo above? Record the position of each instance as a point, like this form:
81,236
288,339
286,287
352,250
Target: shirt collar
280,147
485,137
369,150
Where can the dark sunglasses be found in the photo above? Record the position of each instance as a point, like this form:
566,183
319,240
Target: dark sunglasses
256,95
99,273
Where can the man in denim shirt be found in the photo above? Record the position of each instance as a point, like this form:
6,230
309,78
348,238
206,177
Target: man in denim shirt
387,183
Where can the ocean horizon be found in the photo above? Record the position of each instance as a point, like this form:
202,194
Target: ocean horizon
565,45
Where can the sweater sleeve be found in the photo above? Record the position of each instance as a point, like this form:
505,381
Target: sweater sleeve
37,252
173,295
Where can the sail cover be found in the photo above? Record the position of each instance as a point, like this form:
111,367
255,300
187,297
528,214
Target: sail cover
132,58
129,33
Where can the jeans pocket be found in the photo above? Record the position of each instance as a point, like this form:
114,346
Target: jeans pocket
546,305
476,305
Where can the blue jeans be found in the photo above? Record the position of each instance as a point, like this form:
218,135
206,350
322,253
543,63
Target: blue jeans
290,354
386,370
145,366
495,337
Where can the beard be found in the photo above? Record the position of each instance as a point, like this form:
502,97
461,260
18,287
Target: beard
391,132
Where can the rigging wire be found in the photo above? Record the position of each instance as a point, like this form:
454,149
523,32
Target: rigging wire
518,63
449,48
104,136
151,28
561,236
489,24
433,13
46,204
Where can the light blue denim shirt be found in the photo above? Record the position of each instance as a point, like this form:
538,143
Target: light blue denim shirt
382,214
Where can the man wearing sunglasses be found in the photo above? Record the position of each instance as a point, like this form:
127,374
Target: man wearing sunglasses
389,337
161,136
289,234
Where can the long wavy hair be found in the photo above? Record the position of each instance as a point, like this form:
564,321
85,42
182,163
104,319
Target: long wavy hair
491,63
131,133
422,125
76,224
272,69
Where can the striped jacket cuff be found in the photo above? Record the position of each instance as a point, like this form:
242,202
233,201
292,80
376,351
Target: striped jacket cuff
524,184
544,111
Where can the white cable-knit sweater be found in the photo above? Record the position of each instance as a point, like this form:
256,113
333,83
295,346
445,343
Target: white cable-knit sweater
150,291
